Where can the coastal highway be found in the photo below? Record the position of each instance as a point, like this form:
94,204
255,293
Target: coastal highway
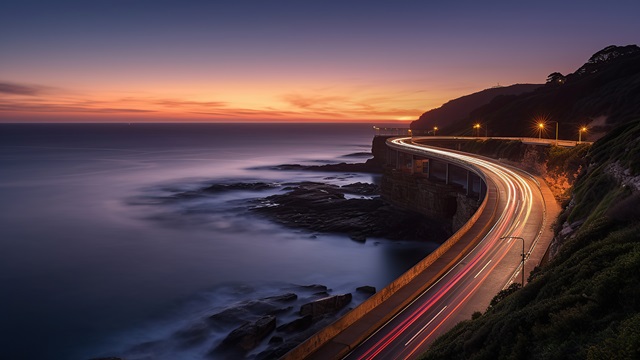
471,283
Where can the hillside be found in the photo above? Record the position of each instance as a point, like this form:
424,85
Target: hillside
602,93
585,302
458,110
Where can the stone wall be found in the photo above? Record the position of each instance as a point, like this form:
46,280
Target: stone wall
415,192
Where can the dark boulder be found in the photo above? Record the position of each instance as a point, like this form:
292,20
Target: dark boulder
255,186
325,306
288,297
297,325
369,290
249,335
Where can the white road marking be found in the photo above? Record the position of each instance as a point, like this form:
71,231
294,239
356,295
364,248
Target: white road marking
424,327
481,270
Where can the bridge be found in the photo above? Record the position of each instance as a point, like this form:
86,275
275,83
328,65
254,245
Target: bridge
463,274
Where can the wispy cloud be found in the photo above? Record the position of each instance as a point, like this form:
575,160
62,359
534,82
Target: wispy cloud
177,103
19,89
23,106
321,105
311,101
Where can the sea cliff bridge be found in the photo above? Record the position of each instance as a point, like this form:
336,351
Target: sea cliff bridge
464,273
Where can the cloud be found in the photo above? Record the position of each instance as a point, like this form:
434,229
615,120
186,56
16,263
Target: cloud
189,103
19,89
38,107
312,102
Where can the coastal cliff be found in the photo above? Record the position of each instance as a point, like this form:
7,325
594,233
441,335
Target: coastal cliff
582,304
601,94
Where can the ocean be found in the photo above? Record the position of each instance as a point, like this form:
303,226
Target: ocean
100,254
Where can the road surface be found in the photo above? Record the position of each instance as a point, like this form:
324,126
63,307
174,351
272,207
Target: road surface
469,286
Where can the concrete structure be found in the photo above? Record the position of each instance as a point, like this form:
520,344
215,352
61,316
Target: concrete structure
380,307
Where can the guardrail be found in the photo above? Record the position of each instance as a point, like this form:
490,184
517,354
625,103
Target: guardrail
524,140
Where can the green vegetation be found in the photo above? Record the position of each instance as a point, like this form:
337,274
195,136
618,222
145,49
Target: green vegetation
585,303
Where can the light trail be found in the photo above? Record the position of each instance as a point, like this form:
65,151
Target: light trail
415,326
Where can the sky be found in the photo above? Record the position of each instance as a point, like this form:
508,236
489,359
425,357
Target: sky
240,60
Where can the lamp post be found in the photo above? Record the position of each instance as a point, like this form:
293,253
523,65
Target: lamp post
540,127
580,131
477,127
523,254
556,132
435,128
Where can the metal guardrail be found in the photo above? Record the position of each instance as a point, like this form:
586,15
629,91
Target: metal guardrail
524,140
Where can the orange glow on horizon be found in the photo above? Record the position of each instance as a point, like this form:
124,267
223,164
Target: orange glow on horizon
337,104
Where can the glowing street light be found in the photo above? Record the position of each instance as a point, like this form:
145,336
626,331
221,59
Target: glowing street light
477,127
540,127
523,254
580,131
435,128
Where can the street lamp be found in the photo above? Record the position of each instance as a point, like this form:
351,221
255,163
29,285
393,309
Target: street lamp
523,254
580,131
540,127
556,131
435,128
477,127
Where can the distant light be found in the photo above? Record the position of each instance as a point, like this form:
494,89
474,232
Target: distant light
541,125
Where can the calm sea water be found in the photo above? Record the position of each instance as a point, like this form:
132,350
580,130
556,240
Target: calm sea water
96,255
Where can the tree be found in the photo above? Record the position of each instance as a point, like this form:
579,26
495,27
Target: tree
556,78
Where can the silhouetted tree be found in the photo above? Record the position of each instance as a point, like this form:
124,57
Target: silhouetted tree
556,78
606,55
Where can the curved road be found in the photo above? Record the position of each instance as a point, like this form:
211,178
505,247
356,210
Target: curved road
469,285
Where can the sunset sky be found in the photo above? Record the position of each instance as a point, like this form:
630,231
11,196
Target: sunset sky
157,60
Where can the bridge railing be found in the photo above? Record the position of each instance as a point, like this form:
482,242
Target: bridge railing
389,131
525,140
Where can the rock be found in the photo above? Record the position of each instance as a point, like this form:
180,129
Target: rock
323,208
325,306
288,297
276,340
367,167
249,335
256,186
370,290
277,352
296,325
361,189
250,310
358,238
315,287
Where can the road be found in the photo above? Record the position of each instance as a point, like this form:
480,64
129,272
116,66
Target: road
470,284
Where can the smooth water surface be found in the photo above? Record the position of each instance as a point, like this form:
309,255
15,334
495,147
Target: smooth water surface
97,254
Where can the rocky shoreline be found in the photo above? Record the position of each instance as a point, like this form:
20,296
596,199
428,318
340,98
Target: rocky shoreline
354,209
285,320
268,327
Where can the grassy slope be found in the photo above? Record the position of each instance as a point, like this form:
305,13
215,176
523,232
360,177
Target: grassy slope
586,302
